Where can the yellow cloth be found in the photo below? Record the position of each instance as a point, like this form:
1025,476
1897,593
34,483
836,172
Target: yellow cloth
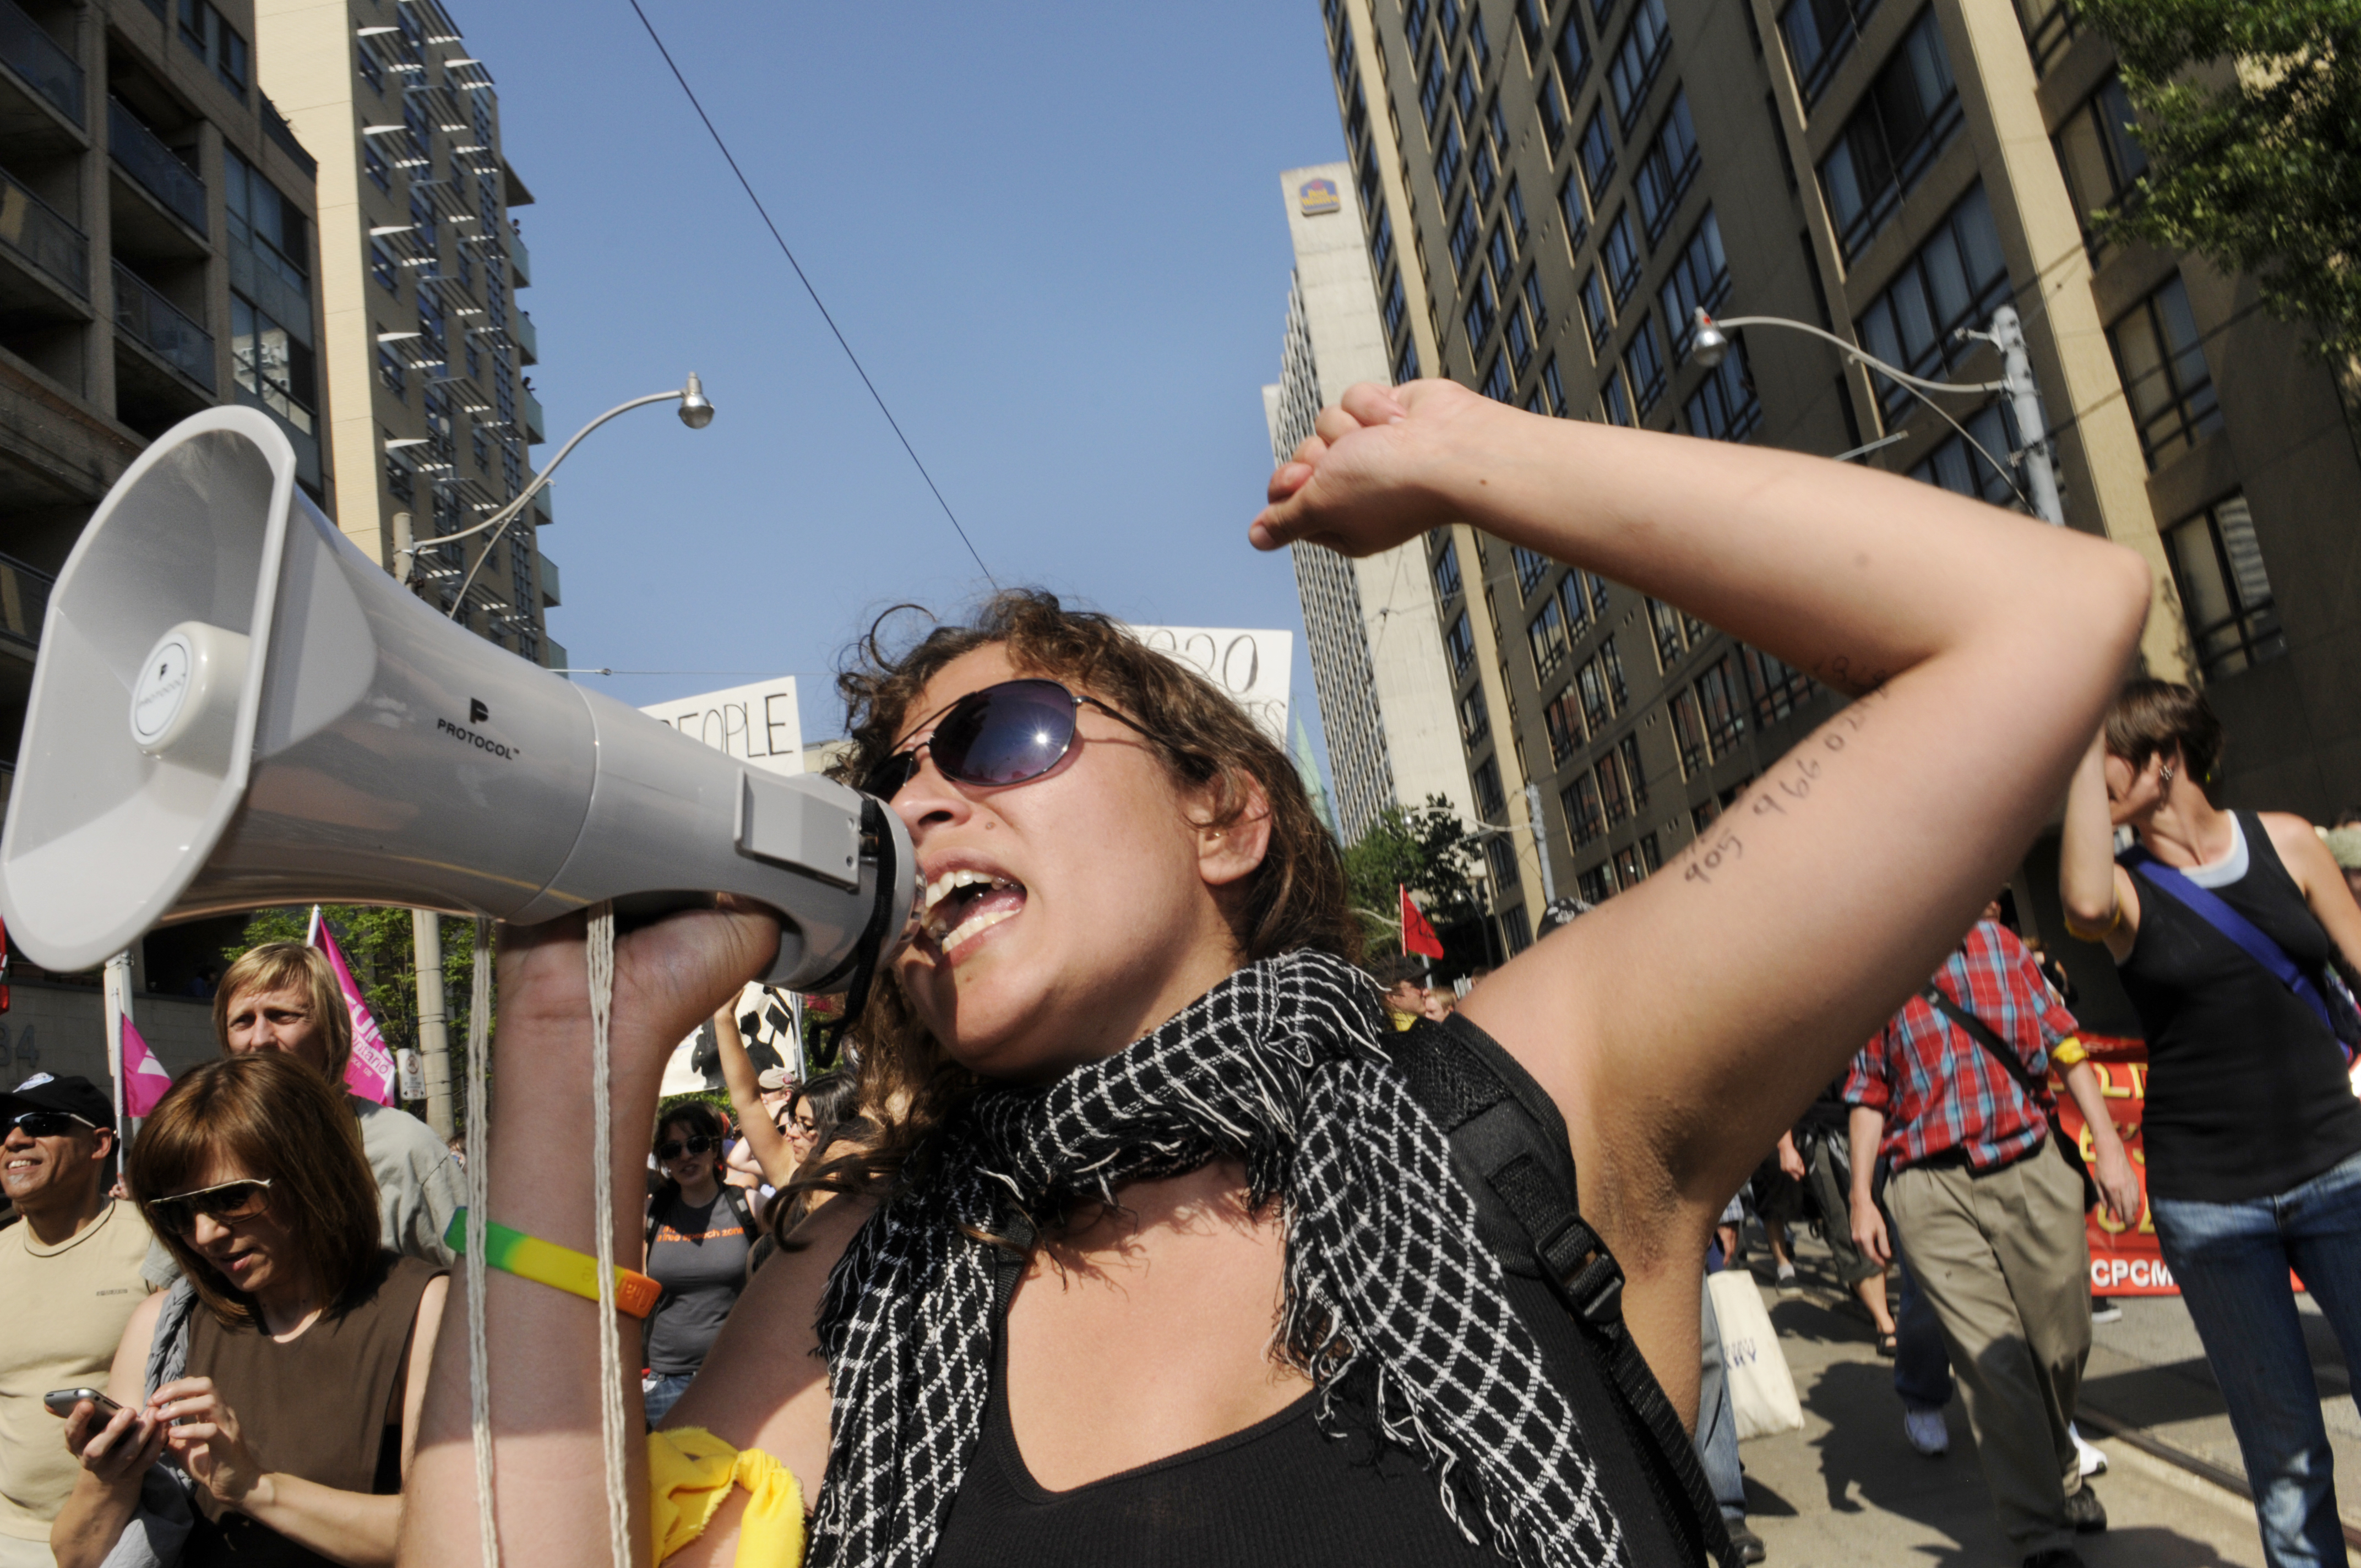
2067,1052
690,1472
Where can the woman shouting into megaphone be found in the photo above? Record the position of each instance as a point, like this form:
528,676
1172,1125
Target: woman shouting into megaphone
1166,1250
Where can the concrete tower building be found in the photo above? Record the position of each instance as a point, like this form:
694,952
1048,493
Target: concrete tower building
423,342
1554,186
1377,654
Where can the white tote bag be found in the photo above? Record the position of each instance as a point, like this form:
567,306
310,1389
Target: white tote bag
1762,1394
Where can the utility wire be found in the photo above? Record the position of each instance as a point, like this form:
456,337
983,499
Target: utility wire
783,250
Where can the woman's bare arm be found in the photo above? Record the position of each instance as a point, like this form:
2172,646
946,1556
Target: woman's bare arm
115,1452
1685,1023
2102,902
2325,892
763,1135
542,1343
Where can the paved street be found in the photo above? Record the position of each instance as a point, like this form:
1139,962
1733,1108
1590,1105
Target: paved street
1847,1490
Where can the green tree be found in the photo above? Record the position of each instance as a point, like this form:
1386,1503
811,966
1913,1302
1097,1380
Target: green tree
2250,114
1427,849
376,947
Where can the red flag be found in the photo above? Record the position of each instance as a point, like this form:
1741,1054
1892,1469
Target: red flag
1418,937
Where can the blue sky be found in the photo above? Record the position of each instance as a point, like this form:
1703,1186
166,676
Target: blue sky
1053,233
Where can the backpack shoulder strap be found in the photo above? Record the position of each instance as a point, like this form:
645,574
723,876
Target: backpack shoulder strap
2251,939
1505,1124
740,1206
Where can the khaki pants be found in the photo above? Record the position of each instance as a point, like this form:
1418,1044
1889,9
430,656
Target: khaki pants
2004,1261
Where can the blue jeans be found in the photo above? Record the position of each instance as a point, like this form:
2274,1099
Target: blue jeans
2232,1262
1716,1423
1922,1366
663,1392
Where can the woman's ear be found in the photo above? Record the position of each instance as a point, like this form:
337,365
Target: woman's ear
1228,852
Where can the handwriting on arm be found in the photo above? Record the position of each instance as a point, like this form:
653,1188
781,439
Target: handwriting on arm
1790,783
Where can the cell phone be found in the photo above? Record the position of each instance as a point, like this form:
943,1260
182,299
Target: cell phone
61,1401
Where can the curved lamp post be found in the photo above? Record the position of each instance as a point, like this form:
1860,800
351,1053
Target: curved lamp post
694,413
2007,334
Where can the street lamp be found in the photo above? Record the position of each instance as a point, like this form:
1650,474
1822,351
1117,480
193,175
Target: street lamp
1711,343
695,413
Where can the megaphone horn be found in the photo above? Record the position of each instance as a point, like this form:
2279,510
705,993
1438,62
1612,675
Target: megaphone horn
233,707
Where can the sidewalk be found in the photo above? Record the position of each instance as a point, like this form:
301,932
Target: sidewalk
1848,1492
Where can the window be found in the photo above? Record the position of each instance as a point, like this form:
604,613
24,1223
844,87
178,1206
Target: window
1499,384
1633,71
1395,306
262,220
1551,107
1513,204
431,325
1643,361
1779,688
1445,571
1688,732
1958,279
1961,468
441,433
1578,607
1381,240
1545,635
2096,150
1460,643
1482,171
1614,788
1665,622
1910,112
1586,821
2163,372
276,366
391,371
2226,594
383,268
1531,567
1430,89
1448,155
1490,801
1667,170
1577,216
1724,407
478,444
1463,89
1414,21
1615,400
1619,250
1596,885
397,482
1599,681
1819,34
1502,257
370,70
1650,856
1635,777
1720,693
1572,58
1533,21
1563,720
1609,661
1699,281
1463,237
1406,363
2049,26
1596,155
373,164
1555,387
221,46
1474,718
1596,314
1519,337
1628,867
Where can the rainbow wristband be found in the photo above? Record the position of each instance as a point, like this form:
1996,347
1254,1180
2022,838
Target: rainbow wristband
546,1263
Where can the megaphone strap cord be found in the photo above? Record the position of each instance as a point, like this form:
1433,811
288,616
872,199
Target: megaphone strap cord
601,959
480,1213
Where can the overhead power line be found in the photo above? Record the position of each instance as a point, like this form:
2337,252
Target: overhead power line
747,185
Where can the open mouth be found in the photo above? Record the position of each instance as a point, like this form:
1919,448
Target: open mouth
963,904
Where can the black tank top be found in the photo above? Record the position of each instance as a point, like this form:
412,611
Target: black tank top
2246,1089
1282,1491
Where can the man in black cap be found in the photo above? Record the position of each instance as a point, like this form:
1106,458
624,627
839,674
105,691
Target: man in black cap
69,1280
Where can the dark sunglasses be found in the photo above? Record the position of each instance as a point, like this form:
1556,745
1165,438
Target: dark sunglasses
49,1124
1006,734
673,1149
228,1203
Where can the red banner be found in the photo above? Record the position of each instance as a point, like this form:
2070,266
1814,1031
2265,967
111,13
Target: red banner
2125,1259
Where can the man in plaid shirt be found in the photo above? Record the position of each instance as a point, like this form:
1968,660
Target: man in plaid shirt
1990,1218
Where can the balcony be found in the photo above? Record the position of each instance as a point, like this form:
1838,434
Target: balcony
46,66
535,426
520,260
157,169
528,340
551,595
544,513
24,604
42,238
162,328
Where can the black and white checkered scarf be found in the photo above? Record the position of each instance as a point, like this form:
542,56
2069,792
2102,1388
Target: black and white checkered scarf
1277,1067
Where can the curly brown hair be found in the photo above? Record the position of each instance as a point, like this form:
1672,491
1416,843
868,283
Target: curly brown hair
1296,899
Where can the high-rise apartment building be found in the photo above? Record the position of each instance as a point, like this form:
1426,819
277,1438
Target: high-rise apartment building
424,343
1376,652
157,258
1554,186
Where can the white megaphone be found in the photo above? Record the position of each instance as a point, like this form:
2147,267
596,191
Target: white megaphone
234,708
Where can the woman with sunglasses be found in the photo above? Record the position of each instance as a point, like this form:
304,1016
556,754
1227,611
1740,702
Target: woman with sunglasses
283,1373
1128,1054
700,1229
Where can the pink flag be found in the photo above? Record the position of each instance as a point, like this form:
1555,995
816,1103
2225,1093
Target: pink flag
370,1072
144,1077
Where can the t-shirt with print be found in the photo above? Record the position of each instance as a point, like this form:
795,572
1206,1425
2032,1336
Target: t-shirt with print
699,1255
62,1314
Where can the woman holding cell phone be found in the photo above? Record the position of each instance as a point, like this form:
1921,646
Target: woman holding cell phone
284,1374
